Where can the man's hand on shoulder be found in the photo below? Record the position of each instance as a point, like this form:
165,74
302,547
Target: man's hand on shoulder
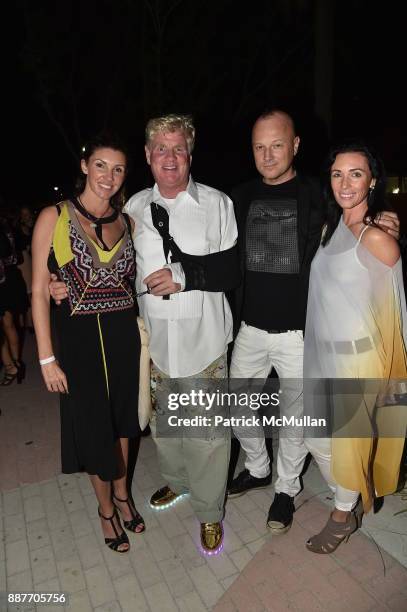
389,222
161,283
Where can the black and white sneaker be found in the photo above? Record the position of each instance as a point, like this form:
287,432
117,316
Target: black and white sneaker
245,482
281,513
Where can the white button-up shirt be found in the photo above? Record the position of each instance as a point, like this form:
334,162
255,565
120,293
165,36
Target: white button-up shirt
191,329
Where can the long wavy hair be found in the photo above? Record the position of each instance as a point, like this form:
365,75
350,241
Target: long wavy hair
376,199
103,140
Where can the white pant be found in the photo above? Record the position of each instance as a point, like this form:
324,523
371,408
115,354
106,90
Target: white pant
321,450
255,354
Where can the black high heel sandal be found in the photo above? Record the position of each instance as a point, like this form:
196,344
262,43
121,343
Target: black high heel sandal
8,377
358,512
136,520
114,543
21,368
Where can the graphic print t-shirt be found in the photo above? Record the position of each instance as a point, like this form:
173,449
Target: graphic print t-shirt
273,299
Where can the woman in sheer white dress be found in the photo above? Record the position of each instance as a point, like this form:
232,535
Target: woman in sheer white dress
356,329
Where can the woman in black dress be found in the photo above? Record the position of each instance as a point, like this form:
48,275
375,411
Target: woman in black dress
87,242
24,231
13,302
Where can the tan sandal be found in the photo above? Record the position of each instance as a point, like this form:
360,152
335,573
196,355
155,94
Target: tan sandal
333,534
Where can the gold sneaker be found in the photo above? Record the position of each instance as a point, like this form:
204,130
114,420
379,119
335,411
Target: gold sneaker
211,538
164,498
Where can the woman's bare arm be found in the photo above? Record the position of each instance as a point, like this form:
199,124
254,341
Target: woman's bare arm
42,239
382,245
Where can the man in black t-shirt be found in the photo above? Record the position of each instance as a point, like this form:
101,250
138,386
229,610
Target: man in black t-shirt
280,220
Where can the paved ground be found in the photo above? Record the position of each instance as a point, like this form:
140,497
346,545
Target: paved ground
50,537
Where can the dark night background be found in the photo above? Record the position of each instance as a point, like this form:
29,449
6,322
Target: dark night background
72,68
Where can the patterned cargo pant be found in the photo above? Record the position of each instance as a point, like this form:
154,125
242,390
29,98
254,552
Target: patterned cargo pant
198,465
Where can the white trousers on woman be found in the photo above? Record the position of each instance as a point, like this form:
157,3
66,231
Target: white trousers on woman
321,450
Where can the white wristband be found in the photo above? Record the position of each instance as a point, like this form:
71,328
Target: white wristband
47,360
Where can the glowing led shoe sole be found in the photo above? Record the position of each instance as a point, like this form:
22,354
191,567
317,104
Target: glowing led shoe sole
165,498
211,538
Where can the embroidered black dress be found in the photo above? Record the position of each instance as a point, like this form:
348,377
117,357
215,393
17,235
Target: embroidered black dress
99,346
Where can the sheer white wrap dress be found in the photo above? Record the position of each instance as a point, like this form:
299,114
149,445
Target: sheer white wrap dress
356,330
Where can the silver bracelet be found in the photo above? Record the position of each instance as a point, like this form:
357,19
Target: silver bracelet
47,360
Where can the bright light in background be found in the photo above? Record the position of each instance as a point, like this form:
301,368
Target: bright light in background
83,149
396,190
56,188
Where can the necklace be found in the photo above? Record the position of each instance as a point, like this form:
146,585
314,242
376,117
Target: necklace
96,222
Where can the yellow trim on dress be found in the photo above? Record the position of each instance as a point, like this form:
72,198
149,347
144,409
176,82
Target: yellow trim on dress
103,355
61,242
106,256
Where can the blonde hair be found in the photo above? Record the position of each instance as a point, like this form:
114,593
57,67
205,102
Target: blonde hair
172,123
